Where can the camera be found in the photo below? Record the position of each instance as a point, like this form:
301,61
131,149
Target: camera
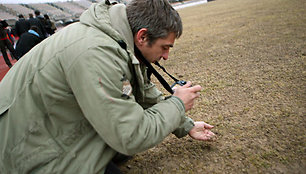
179,82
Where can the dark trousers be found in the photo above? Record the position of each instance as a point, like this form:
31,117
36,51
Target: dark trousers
112,167
7,44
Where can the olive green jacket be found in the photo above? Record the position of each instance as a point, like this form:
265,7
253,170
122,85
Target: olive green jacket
79,97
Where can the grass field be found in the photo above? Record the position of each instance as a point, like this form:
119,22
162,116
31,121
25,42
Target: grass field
250,58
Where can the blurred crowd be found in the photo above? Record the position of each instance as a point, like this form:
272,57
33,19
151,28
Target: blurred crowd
24,35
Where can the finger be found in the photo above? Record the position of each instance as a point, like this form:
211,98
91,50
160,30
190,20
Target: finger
196,88
188,84
208,126
210,136
197,94
210,133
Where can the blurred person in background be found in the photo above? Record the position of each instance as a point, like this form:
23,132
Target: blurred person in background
37,22
27,41
10,34
21,26
5,43
42,21
82,97
49,25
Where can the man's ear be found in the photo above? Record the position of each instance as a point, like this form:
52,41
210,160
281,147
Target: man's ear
141,36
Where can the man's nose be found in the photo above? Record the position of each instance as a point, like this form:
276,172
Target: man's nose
165,55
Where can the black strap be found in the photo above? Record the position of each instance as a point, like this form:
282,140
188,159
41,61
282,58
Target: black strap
151,69
107,2
161,67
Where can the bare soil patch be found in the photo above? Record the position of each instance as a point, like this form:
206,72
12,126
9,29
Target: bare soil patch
249,56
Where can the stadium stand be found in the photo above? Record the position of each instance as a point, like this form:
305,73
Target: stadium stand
85,4
6,15
55,13
19,9
58,11
70,8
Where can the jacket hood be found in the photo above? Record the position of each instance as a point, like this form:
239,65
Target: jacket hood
111,19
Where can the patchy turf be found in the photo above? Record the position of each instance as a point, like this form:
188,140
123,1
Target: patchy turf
249,56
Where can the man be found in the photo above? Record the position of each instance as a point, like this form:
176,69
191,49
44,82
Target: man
37,22
27,41
21,26
42,21
5,43
83,95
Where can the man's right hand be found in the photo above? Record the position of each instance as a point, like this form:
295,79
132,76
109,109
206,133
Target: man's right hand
188,94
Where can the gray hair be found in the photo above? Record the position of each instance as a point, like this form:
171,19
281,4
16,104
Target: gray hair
157,16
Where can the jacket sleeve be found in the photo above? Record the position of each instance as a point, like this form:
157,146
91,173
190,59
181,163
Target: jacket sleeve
184,128
96,81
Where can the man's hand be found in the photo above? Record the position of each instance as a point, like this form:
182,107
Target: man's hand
187,94
201,131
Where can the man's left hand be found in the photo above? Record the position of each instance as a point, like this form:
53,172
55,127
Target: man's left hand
201,131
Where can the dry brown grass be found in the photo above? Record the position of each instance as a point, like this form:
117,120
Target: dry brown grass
249,57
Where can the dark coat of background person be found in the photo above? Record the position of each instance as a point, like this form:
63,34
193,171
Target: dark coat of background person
42,21
26,42
36,22
21,26
49,25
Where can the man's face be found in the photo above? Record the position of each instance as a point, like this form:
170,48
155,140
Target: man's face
158,49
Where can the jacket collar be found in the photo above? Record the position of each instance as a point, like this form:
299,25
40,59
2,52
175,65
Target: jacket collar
120,23
112,20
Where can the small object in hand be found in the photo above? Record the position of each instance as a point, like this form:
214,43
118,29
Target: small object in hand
180,82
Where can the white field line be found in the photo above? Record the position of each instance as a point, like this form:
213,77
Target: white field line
189,4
